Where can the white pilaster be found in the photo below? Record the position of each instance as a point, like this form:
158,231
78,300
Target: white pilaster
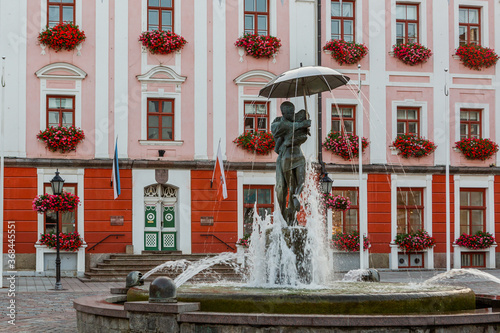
378,54
496,81
101,80
121,78
219,76
200,80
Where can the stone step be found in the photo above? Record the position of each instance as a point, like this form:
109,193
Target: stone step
158,256
109,277
146,262
145,269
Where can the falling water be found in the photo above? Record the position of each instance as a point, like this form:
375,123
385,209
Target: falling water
180,264
272,259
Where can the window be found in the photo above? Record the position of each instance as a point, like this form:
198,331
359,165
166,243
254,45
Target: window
347,221
343,119
342,20
408,122
472,211
406,23
473,259
160,119
60,11
161,15
263,196
469,24
410,210
257,17
67,220
470,123
256,117
60,111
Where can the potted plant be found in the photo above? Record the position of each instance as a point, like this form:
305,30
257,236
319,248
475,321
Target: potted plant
415,241
61,138
345,146
338,202
261,143
412,53
475,56
62,36
349,241
162,42
259,46
476,149
65,202
67,242
413,146
346,53
480,240
244,241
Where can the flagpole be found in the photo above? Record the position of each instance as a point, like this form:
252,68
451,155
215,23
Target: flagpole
447,172
360,175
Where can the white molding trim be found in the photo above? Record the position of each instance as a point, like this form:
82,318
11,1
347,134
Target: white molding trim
102,80
273,22
485,118
358,12
144,112
160,143
121,72
44,9
340,102
422,24
243,79
200,81
175,78
483,5
410,103
75,73
219,80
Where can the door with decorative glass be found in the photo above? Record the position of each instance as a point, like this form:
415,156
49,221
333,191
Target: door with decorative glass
160,207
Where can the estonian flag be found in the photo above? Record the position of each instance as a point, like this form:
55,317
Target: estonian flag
116,172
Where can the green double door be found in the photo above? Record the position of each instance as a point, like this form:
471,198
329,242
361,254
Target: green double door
160,228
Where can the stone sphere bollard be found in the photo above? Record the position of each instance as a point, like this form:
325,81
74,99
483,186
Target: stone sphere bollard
162,290
133,279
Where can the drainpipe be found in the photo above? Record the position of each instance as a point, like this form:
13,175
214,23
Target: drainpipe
320,115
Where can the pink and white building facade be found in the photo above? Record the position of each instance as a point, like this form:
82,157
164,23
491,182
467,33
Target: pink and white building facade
207,93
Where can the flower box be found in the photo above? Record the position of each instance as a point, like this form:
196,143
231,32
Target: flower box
67,242
261,143
61,138
345,146
338,203
259,46
411,54
62,36
480,240
66,202
349,242
415,241
346,53
162,42
477,149
413,146
475,56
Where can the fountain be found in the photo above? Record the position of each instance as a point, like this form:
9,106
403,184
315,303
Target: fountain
290,280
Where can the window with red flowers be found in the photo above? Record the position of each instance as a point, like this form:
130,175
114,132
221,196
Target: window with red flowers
256,117
160,119
342,20
470,123
60,111
67,220
257,17
260,195
344,119
60,11
407,23
410,210
408,121
469,25
346,221
472,210
161,15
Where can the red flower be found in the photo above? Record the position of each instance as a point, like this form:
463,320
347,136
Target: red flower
261,143
67,242
346,52
477,149
61,138
62,36
416,241
476,56
412,53
349,242
48,202
258,45
162,42
413,146
346,146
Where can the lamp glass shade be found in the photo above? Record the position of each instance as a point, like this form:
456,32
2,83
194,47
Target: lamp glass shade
57,184
326,184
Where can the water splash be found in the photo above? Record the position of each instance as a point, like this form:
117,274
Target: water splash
180,264
296,257
469,273
228,258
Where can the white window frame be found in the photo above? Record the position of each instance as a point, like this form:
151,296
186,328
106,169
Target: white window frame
330,102
44,9
483,9
485,118
422,22
414,104
273,28
358,14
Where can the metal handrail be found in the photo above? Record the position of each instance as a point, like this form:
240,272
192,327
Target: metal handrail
220,240
102,240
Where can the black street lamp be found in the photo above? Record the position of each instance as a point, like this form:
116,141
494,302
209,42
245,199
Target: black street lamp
57,184
325,184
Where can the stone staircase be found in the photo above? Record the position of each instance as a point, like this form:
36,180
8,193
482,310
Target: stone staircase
118,266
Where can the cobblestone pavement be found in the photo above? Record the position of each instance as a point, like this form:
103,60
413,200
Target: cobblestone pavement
40,309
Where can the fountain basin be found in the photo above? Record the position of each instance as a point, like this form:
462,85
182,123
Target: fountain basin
353,298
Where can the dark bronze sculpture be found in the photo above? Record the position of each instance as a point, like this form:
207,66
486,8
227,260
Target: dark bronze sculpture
289,132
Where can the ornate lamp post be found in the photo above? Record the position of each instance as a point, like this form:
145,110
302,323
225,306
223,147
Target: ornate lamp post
57,184
325,184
